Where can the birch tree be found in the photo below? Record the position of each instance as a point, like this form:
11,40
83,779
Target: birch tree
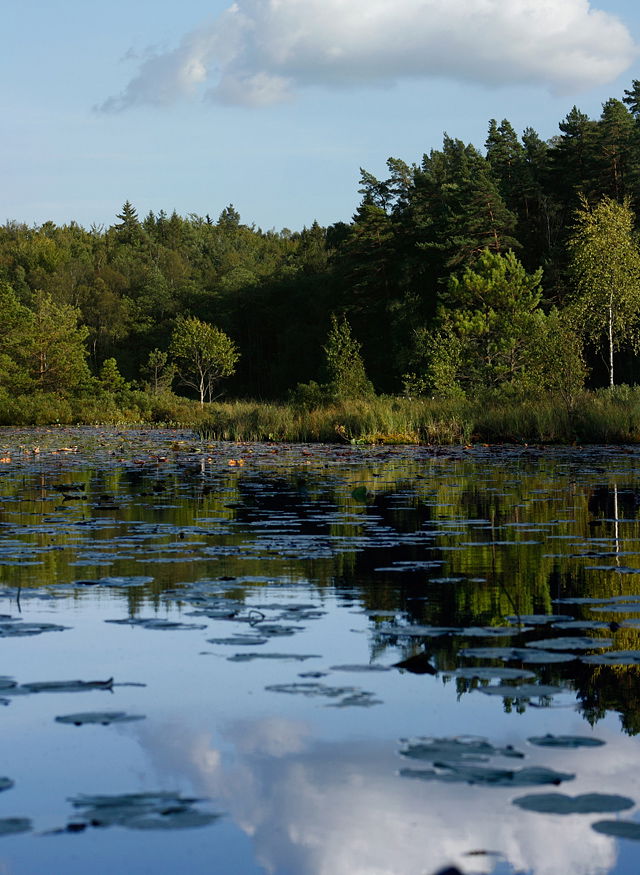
605,267
203,355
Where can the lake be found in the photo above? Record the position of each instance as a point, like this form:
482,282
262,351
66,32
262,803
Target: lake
317,660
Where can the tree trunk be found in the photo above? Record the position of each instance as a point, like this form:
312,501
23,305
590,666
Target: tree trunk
610,345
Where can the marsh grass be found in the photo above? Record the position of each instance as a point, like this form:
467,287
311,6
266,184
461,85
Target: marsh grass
602,416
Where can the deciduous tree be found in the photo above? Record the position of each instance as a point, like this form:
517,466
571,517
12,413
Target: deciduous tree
605,266
203,355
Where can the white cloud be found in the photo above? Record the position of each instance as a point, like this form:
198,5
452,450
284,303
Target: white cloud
340,807
260,52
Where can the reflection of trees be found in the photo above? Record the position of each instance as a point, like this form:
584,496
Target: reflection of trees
515,530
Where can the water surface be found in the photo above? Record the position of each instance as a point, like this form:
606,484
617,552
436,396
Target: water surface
310,660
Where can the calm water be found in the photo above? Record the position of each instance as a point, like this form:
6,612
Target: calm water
317,660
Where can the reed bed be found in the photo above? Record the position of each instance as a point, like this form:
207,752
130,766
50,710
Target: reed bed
601,416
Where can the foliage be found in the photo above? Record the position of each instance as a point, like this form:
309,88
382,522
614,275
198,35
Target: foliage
203,355
346,373
72,298
159,370
492,333
605,266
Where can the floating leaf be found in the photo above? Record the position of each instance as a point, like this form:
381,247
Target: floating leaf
292,657
13,825
361,699
104,718
537,619
581,624
66,686
629,608
239,640
614,657
458,749
585,643
489,777
364,667
173,820
6,784
274,630
158,623
490,631
348,696
415,631
620,829
486,673
517,653
568,741
522,691
587,803
141,811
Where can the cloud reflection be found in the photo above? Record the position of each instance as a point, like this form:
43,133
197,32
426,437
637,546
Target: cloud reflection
340,808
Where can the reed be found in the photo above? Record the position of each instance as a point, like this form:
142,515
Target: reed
601,416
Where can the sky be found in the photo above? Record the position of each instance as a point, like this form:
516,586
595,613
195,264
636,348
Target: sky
275,105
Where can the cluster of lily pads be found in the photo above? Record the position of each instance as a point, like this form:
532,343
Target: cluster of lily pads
467,760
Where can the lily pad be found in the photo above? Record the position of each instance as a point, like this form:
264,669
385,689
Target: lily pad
142,811
291,657
416,631
585,643
274,630
173,820
363,667
490,631
158,623
565,741
537,619
486,673
239,640
489,777
104,718
517,653
346,696
464,748
614,657
66,686
13,825
6,784
620,829
522,691
18,629
587,803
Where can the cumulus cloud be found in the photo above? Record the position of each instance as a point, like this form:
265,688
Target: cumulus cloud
340,807
260,52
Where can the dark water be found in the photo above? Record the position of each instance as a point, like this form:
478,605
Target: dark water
317,660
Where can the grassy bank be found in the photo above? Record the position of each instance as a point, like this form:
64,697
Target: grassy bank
596,417
604,416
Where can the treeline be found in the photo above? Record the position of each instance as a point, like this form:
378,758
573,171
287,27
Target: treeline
469,272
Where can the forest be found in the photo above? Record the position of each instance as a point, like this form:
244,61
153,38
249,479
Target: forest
508,273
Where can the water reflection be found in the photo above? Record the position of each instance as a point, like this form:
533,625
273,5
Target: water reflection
315,807
497,586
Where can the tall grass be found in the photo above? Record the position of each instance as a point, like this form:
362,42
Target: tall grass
603,416
375,420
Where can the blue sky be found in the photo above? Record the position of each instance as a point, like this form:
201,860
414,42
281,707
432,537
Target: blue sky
274,105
